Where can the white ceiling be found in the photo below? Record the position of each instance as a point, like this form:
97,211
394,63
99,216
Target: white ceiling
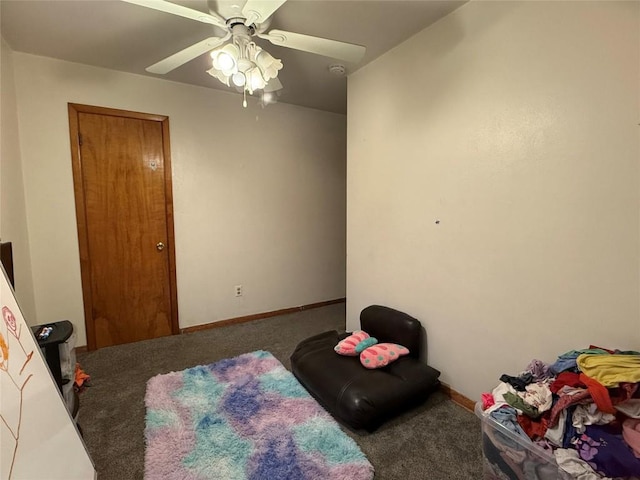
126,37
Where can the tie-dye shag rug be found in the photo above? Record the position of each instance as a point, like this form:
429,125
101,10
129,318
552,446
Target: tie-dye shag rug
243,418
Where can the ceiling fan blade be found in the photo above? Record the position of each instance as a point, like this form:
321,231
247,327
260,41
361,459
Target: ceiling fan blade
183,56
181,11
257,11
348,52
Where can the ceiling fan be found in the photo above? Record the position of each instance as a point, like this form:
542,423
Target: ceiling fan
236,59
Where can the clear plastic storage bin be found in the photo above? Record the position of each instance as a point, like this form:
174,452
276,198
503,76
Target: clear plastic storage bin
507,455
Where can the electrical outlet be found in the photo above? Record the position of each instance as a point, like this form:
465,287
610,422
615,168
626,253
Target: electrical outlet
238,290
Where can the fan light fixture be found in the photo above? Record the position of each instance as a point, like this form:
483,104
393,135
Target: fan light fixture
240,61
243,63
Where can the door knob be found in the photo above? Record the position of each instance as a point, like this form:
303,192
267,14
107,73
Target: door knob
160,246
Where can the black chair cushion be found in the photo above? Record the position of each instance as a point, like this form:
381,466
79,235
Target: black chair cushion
389,325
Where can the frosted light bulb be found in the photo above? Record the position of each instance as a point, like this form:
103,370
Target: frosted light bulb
225,61
256,81
238,79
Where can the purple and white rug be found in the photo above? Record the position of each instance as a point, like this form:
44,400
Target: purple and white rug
243,418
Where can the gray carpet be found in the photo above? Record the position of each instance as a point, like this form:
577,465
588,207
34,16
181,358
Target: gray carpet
438,440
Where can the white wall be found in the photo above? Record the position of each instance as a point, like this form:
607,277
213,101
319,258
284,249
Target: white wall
515,124
13,222
259,194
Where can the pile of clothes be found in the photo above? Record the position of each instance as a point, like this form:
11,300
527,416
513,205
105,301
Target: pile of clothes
584,409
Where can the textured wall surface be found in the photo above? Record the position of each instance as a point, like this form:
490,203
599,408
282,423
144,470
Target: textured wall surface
493,184
13,217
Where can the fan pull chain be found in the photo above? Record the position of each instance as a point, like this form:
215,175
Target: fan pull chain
244,98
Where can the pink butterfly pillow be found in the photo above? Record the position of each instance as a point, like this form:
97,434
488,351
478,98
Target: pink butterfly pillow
372,353
348,345
382,354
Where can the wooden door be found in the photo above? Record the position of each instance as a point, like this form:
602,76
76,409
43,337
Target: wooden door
122,184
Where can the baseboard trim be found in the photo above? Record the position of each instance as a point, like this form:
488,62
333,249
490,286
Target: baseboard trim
247,318
259,316
457,397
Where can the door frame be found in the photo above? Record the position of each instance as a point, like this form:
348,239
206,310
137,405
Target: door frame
78,188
